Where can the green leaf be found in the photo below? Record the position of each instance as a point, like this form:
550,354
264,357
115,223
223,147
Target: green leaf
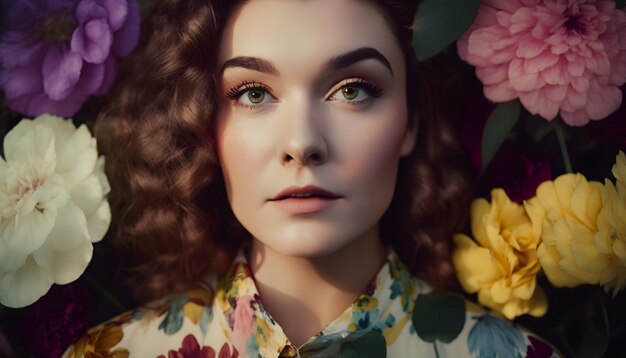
538,127
372,345
498,126
438,316
438,23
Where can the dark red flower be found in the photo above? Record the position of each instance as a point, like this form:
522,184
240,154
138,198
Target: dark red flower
55,321
515,171
191,349
512,169
225,352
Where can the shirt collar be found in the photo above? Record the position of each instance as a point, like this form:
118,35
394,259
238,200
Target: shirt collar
385,306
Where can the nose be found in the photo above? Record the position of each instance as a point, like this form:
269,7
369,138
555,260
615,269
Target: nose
303,143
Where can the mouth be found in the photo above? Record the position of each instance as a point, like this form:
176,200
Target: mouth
305,193
306,200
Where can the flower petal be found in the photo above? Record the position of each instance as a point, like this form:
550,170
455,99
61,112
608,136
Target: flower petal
19,82
492,75
109,70
576,67
502,92
474,264
90,9
69,231
540,62
27,140
549,258
602,100
22,287
586,203
33,105
98,222
538,102
117,11
23,14
530,47
66,266
22,237
585,254
77,157
93,79
87,194
127,37
20,48
93,41
61,71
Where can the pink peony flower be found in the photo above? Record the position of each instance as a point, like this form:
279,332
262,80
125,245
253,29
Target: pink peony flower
564,57
55,54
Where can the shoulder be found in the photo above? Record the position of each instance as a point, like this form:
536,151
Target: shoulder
456,327
163,327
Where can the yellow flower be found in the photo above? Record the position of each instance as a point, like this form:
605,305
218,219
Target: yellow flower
502,267
583,230
611,235
619,171
99,343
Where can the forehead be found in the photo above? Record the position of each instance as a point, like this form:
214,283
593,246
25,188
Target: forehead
306,32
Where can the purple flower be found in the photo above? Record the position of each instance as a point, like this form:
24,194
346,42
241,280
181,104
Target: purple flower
56,53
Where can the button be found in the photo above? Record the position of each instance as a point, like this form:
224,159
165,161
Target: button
289,351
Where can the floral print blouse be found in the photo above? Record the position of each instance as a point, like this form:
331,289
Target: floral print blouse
398,315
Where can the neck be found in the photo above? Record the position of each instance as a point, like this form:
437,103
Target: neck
305,294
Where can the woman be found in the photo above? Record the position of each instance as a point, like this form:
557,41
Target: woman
284,158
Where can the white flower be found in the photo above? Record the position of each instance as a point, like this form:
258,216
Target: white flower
52,207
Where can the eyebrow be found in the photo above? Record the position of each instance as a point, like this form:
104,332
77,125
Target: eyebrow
335,63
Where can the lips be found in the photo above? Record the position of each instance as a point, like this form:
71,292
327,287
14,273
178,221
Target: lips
309,191
304,201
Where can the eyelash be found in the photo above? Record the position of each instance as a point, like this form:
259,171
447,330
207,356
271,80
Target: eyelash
372,90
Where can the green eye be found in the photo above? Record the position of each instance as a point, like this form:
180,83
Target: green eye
256,96
350,92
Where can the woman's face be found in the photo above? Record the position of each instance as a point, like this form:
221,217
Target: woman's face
313,94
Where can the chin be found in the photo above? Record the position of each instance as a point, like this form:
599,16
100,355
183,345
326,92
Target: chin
301,243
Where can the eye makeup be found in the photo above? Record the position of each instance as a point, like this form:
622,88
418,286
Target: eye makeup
353,91
372,91
236,92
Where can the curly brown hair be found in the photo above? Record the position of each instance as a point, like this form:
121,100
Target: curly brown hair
171,213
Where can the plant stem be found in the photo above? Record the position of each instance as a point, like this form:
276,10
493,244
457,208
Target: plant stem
605,316
436,350
561,138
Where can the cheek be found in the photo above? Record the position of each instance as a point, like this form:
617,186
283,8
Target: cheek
372,151
240,153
